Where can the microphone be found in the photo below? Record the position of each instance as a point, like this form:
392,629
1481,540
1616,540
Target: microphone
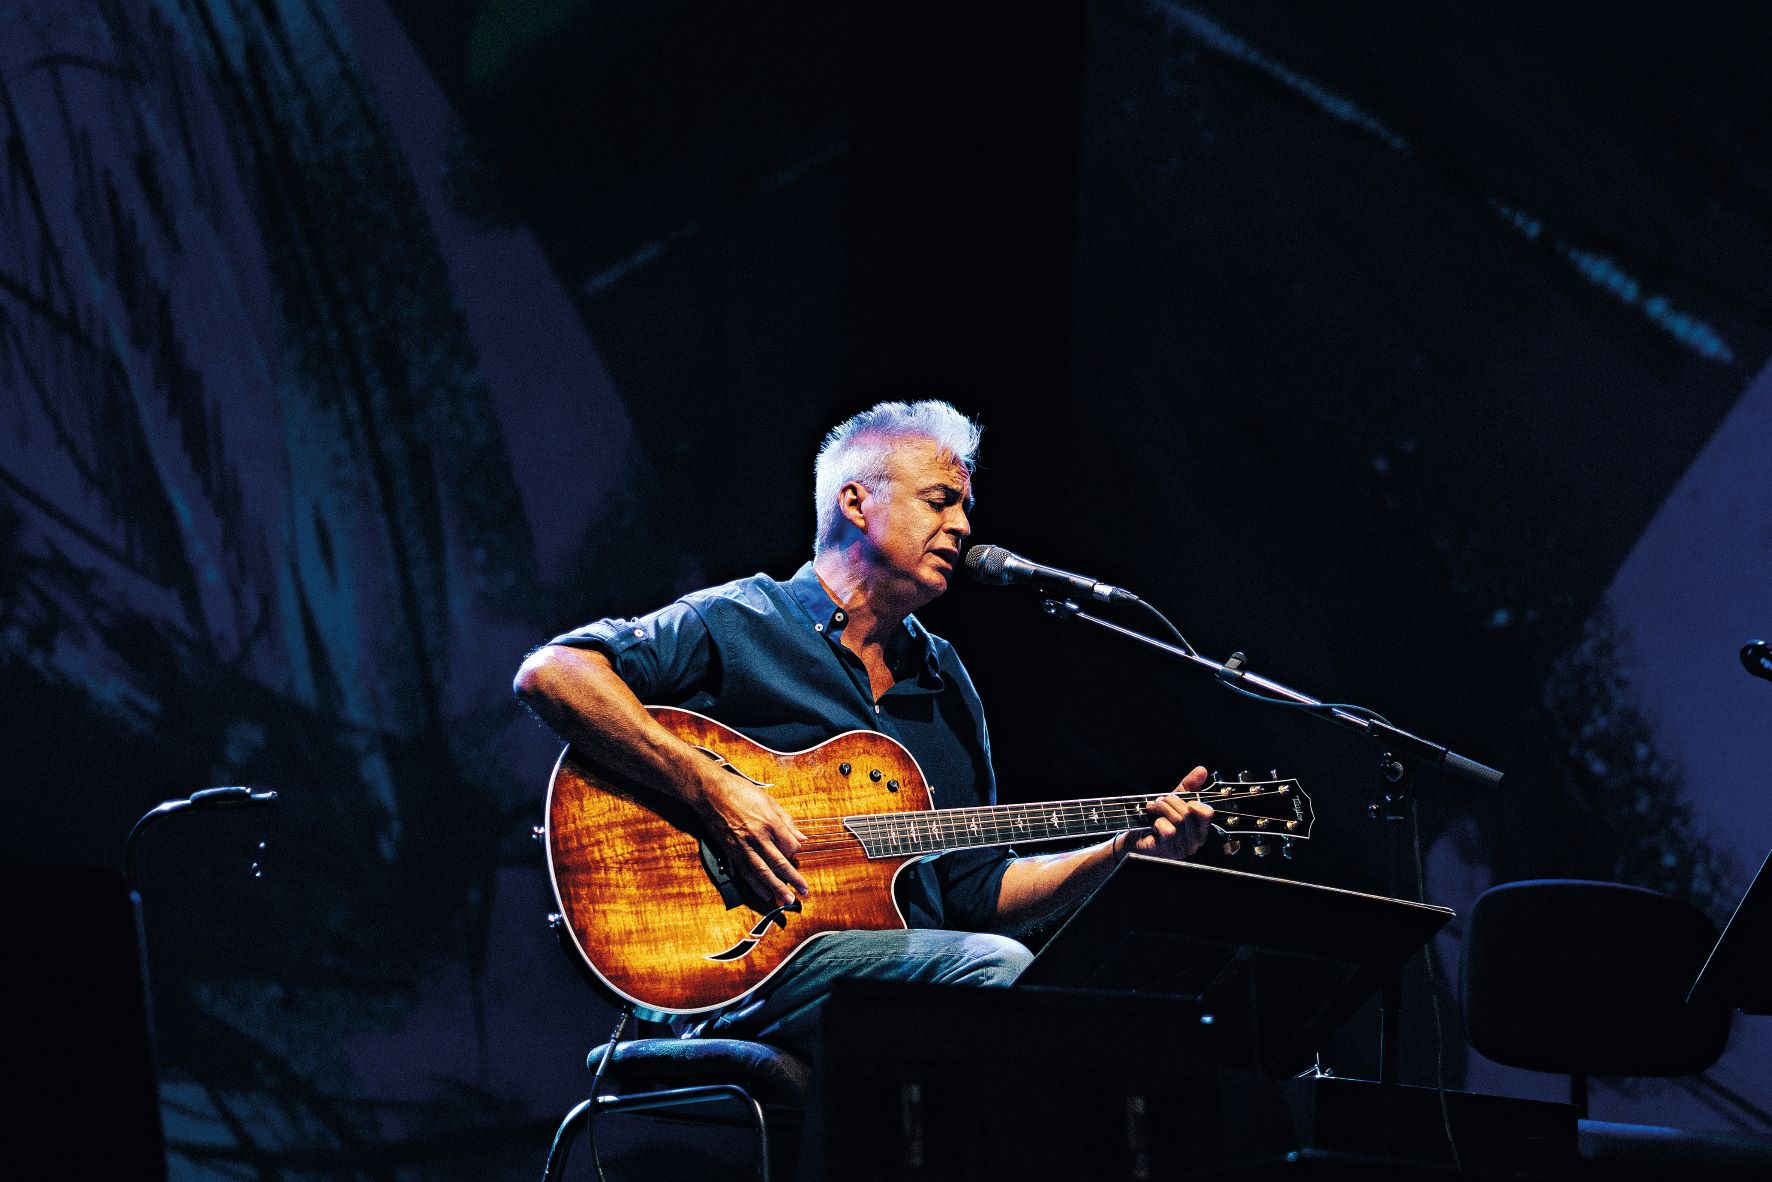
1756,657
1000,568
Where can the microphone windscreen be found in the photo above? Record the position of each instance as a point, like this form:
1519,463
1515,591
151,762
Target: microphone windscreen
985,563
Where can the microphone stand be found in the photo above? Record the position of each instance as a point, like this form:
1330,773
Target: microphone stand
1401,749
1234,674
206,798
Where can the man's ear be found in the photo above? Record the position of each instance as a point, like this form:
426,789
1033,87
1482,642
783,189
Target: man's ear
849,501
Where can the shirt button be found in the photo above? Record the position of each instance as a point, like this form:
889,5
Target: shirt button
876,709
818,627
837,616
640,632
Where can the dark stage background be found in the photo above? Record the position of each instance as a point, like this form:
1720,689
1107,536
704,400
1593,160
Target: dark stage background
348,348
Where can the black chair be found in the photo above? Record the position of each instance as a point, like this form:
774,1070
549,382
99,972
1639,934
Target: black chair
1589,978
714,1080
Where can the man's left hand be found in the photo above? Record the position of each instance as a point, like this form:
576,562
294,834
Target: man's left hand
1179,826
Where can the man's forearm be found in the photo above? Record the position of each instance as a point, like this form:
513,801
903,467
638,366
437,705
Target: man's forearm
1034,886
578,694
1180,824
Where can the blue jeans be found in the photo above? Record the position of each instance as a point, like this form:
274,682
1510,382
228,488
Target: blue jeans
785,1014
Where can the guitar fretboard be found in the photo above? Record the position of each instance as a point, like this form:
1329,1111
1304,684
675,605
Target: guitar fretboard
936,830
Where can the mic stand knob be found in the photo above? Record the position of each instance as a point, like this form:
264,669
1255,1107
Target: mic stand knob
1392,801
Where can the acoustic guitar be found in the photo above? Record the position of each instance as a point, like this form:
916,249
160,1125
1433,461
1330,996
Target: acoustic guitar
663,921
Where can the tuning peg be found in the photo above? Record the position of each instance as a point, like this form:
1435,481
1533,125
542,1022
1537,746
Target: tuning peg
1273,773
1243,777
1286,848
1232,846
1259,849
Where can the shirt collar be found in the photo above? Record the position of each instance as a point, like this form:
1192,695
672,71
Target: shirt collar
829,618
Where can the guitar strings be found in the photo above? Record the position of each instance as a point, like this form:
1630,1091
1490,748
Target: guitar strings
996,815
1073,809
825,833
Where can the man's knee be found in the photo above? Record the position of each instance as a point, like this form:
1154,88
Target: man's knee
992,959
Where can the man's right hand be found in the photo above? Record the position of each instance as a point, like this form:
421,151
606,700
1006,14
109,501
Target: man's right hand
759,839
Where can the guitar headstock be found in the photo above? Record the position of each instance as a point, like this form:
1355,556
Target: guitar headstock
1263,815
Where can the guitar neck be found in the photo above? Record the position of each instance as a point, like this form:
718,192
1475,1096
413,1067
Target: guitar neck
939,830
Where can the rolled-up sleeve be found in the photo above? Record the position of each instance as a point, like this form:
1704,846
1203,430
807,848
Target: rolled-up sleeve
970,882
663,656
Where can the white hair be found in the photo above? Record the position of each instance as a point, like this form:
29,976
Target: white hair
858,448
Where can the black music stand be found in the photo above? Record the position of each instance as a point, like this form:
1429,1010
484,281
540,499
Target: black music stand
1278,964
1736,974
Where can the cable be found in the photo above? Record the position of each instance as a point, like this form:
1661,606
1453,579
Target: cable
1173,630
1322,708
1433,992
596,1080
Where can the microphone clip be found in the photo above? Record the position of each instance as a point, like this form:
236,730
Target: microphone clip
1060,609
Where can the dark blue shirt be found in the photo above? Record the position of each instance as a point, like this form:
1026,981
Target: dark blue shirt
766,658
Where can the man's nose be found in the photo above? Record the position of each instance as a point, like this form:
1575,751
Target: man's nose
958,524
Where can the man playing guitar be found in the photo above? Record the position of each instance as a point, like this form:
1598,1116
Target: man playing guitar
836,648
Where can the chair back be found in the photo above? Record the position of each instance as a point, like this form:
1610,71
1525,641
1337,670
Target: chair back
1589,978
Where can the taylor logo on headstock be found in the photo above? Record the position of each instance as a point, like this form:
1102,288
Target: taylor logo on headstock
1283,816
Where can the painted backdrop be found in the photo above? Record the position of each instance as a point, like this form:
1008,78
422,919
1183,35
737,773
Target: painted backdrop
348,348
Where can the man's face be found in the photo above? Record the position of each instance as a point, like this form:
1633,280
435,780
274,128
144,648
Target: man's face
917,523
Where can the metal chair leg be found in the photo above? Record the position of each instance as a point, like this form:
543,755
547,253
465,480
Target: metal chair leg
762,1126
670,1098
563,1141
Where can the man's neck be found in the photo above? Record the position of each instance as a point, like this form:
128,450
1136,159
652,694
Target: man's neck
863,592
